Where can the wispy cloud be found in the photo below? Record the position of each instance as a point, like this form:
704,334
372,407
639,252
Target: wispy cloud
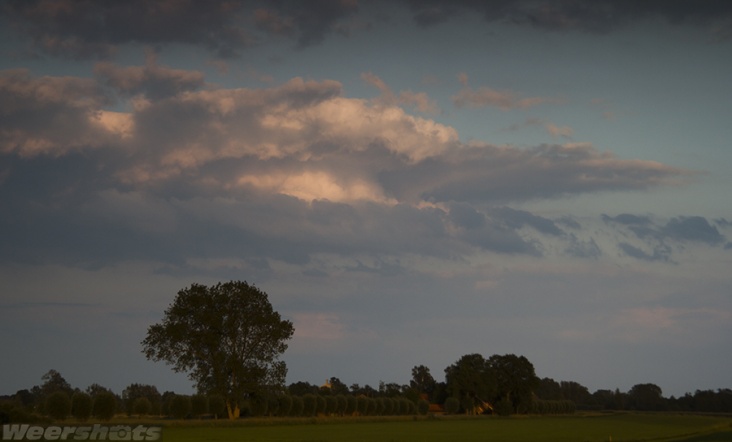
484,96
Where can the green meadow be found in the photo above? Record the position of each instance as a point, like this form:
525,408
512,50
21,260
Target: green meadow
588,428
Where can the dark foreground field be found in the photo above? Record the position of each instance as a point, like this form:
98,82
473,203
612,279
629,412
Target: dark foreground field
590,428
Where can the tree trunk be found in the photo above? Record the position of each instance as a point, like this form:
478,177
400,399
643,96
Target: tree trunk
233,412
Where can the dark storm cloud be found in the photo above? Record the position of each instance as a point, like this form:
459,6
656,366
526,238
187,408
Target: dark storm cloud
95,29
83,29
309,22
593,16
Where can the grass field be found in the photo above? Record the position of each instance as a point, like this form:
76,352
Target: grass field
612,427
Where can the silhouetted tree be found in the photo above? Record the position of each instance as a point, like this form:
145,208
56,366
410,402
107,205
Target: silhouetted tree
227,337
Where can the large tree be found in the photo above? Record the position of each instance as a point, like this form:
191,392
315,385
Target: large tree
515,380
470,381
227,337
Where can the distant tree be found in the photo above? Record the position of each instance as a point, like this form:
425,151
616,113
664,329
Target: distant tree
199,405
104,405
337,387
227,337
366,390
25,399
53,382
135,391
180,406
646,397
422,380
141,406
94,389
390,390
81,406
605,399
577,393
549,389
302,388
58,405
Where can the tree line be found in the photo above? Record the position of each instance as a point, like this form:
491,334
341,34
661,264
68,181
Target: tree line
56,399
228,338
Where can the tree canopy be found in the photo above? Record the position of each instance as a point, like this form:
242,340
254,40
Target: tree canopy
227,337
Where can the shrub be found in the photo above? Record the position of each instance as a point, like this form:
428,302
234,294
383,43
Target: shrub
180,406
81,406
104,406
58,405
141,406
423,407
452,405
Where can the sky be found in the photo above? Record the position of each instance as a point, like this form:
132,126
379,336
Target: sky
409,181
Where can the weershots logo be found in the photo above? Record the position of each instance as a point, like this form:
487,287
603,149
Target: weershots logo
92,432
